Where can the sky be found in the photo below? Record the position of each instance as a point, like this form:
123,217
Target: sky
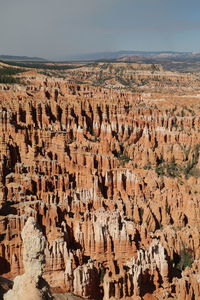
56,29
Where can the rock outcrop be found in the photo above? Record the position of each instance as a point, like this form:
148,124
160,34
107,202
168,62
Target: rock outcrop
31,285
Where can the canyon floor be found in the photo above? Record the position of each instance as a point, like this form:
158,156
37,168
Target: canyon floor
106,158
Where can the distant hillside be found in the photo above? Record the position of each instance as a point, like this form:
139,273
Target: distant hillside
118,54
174,61
170,60
20,58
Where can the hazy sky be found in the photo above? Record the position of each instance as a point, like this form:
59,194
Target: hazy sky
58,28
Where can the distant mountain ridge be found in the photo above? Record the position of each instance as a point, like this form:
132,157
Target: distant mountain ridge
124,55
20,58
134,54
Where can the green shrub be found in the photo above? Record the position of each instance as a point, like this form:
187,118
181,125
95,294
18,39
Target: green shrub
10,71
160,170
186,259
168,169
102,273
195,172
190,169
172,169
147,167
6,75
8,79
124,158
43,65
167,207
122,155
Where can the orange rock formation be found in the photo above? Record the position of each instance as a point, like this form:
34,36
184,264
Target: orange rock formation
112,178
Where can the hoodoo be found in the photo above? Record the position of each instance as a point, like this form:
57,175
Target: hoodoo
110,173
31,285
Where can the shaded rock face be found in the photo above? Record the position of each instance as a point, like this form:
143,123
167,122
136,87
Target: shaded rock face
31,285
111,178
5,285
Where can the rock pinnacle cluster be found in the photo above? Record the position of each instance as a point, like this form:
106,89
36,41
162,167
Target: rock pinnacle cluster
111,176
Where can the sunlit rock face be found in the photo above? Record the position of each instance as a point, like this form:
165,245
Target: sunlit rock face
112,179
31,285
